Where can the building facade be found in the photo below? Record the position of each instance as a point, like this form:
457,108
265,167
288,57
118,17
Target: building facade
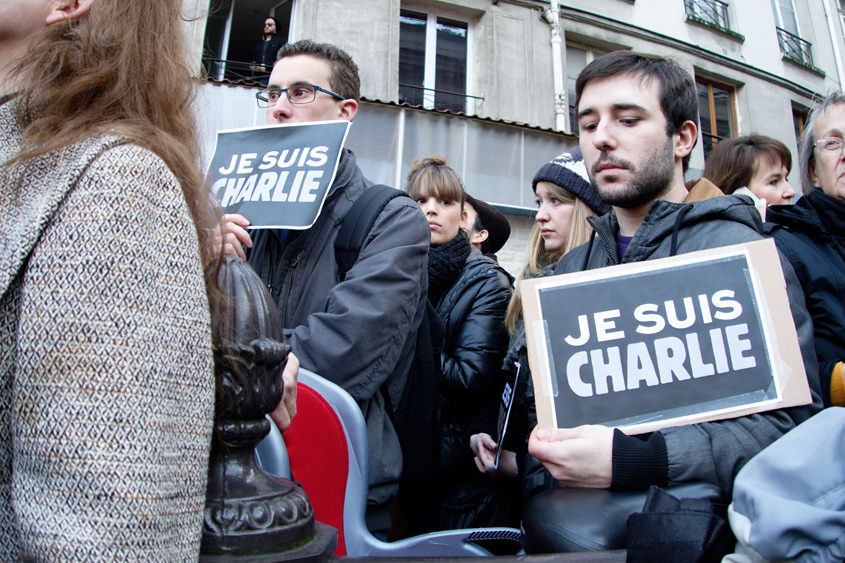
489,84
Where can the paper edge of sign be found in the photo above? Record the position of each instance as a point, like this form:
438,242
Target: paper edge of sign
795,390
546,416
277,125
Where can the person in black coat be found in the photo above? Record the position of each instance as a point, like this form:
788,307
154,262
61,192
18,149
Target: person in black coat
264,52
470,293
810,234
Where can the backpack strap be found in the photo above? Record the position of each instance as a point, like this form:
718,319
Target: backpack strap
358,222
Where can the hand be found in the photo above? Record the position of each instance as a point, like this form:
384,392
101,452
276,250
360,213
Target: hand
484,448
577,457
230,236
286,409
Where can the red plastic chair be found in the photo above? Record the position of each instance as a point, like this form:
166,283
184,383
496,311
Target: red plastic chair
327,448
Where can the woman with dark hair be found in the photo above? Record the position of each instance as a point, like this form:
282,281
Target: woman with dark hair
470,293
107,394
754,162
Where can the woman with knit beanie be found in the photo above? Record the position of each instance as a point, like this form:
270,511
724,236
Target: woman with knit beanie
565,199
470,293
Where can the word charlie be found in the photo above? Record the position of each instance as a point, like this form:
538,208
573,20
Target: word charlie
294,186
700,352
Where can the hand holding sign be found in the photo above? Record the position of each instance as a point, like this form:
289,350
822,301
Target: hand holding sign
230,236
577,457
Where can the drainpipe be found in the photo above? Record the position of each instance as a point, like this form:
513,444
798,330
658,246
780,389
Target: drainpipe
837,57
551,15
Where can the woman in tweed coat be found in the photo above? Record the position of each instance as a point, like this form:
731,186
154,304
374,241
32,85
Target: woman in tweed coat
106,381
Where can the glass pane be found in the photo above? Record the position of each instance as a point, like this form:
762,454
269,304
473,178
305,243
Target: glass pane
724,112
411,57
576,60
451,69
704,117
787,13
798,119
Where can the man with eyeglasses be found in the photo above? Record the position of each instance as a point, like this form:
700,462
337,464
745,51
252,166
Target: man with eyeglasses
264,52
810,233
360,332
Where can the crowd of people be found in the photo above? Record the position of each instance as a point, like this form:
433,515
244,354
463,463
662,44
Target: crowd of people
106,366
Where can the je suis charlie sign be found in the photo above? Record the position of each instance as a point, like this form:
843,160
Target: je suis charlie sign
700,336
277,176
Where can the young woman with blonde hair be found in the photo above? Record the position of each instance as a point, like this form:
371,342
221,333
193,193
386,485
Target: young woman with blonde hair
565,200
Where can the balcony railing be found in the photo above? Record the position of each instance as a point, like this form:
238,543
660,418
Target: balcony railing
223,69
416,95
710,11
794,47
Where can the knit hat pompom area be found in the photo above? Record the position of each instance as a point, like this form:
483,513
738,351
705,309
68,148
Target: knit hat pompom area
568,171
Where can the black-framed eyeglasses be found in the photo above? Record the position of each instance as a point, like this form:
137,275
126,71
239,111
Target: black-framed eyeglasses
829,144
298,94
268,24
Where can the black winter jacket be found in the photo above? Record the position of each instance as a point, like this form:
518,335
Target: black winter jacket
711,452
475,340
359,333
811,234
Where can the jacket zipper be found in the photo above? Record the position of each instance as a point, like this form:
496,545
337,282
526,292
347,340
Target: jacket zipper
292,267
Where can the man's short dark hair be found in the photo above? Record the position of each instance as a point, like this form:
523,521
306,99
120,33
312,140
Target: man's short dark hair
678,95
344,79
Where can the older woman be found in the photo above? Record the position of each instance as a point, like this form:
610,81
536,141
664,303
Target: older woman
810,233
106,380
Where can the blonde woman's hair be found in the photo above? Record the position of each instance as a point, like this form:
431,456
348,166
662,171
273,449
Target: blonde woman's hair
539,257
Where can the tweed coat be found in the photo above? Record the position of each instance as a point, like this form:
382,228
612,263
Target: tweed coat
106,378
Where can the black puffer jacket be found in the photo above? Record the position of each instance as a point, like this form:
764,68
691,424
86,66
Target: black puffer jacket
810,234
475,340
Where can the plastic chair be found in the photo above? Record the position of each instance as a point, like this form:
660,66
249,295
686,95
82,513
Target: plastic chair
327,448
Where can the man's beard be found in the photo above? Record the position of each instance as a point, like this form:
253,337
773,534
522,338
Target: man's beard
648,183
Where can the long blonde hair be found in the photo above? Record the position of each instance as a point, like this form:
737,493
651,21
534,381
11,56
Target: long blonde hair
539,257
119,69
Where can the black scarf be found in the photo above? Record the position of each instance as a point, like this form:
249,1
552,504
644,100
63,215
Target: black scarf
445,263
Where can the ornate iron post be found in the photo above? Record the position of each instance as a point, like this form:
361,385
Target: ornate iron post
250,515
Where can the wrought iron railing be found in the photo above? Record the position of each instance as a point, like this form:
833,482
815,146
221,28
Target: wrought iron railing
794,47
228,69
416,95
711,11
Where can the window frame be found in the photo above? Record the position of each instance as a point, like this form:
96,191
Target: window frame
711,99
591,53
430,64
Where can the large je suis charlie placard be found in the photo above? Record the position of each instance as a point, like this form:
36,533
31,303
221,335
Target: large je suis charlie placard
701,336
277,176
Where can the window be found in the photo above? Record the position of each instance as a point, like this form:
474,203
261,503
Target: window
712,12
232,31
433,61
789,36
716,112
799,118
577,57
